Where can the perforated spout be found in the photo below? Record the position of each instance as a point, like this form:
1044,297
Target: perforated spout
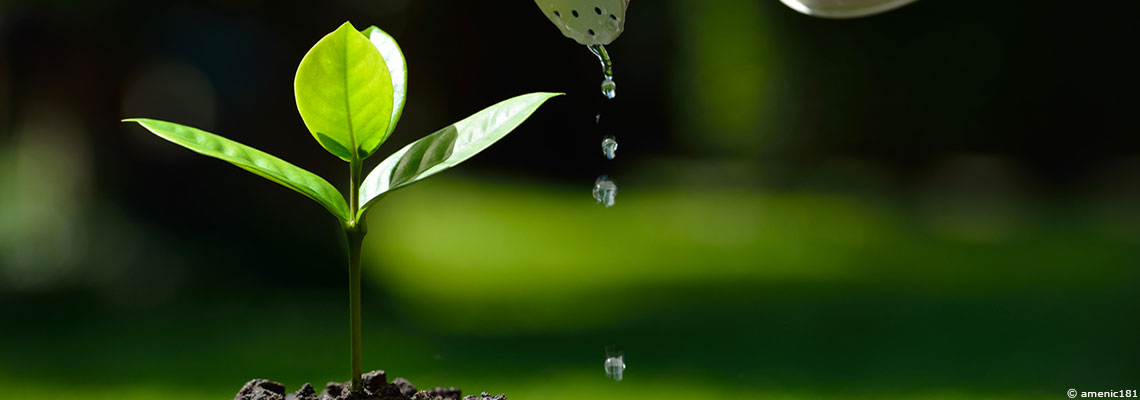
587,21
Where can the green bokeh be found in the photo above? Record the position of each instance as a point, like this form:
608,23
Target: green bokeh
710,293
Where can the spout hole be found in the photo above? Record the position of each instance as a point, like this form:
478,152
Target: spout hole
612,17
590,31
557,14
598,10
574,13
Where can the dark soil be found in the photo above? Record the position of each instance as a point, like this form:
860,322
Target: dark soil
376,387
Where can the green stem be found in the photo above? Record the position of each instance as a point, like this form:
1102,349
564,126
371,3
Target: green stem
354,231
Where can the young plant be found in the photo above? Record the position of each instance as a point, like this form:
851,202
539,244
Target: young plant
350,91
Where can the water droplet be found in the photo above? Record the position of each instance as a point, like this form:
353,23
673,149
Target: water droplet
598,119
609,146
605,191
615,363
609,88
615,367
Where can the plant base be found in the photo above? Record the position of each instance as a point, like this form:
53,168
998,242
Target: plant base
376,387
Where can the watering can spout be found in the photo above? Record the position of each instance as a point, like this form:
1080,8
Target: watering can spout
588,22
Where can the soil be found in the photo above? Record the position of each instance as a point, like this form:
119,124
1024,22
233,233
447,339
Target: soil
376,387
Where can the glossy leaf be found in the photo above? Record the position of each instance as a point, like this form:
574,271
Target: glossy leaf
344,93
252,160
397,69
448,146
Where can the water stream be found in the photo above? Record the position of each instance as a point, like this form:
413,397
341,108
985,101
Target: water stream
604,189
609,88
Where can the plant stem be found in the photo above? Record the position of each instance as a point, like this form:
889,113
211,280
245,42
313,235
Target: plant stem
355,238
354,231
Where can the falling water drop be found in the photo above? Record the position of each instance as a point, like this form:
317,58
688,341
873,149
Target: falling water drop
609,146
605,191
609,88
615,367
615,363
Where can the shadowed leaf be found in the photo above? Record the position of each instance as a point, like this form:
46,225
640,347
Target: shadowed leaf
397,68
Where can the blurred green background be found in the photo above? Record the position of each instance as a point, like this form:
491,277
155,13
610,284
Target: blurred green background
938,202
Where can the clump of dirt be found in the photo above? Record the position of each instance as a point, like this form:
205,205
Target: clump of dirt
376,387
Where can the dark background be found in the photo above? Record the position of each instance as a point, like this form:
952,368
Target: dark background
947,193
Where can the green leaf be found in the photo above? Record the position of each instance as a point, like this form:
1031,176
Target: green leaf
397,68
448,146
344,94
252,160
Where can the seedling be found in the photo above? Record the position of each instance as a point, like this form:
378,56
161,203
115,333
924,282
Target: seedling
350,91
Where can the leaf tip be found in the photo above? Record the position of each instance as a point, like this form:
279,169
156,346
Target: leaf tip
549,95
347,25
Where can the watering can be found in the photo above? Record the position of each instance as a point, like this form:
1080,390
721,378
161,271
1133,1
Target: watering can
599,22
